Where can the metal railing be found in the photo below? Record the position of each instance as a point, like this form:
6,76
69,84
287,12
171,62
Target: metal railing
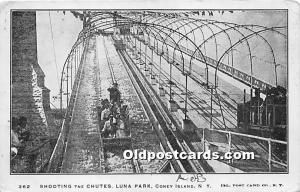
271,158
71,78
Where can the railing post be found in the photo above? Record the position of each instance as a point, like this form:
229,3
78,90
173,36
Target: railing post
140,52
68,84
171,63
203,139
145,68
207,80
270,155
274,117
61,95
135,48
152,61
266,118
72,70
211,106
229,145
159,75
244,108
250,108
186,96
76,58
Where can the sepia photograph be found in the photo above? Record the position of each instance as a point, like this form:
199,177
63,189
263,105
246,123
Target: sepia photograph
138,91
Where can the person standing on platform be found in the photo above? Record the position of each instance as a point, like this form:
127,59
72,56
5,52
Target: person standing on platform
114,94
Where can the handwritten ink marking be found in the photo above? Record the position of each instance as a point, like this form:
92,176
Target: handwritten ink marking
195,178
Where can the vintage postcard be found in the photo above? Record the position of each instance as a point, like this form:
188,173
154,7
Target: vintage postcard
153,96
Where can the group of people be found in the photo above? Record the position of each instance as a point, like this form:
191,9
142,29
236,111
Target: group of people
19,134
113,114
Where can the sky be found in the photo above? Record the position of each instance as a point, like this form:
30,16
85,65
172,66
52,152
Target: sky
65,31
262,55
